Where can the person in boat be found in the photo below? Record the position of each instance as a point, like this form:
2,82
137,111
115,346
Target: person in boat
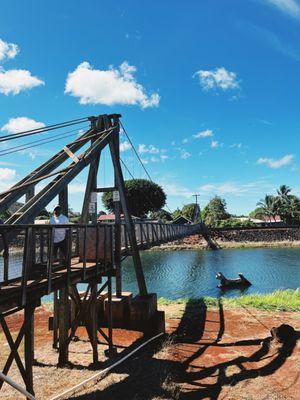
59,236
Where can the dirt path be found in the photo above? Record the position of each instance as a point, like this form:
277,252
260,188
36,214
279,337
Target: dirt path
209,354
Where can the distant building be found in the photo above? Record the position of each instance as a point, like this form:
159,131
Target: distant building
181,220
110,218
274,220
266,221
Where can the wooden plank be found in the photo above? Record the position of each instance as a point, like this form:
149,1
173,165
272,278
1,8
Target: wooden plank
27,263
47,194
64,201
90,187
63,326
94,322
45,168
117,233
128,220
14,345
55,320
29,346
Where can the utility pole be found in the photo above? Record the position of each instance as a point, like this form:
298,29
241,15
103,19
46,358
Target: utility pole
196,195
196,203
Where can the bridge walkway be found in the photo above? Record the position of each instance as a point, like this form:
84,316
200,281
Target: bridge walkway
29,272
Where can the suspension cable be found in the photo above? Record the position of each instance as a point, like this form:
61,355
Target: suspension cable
61,135
38,142
143,194
139,158
42,130
135,151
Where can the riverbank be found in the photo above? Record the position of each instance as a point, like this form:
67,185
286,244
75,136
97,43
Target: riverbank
197,242
279,300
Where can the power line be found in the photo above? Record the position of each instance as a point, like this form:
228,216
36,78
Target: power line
141,162
38,142
54,138
129,172
135,151
42,130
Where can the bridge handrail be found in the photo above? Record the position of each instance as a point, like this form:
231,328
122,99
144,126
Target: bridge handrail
32,245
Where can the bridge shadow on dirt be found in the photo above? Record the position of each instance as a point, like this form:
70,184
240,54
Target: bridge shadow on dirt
174,369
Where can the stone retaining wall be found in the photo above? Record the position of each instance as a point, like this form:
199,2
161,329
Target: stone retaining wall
257,235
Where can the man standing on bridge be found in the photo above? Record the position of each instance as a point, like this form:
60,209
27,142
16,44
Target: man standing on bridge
59,240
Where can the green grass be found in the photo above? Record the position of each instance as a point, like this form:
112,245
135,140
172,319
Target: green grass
280,300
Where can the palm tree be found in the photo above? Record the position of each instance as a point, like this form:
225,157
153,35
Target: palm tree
283,191
284,202
268,206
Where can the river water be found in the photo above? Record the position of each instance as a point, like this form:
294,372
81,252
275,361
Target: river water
191,273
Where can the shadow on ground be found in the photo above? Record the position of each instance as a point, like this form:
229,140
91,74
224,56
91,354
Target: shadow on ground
179,375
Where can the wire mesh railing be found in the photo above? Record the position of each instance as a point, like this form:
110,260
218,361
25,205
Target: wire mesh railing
32,255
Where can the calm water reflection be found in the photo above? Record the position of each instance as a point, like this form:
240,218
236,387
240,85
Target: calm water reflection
189,273
192,273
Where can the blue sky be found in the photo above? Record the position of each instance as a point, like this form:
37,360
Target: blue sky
208,90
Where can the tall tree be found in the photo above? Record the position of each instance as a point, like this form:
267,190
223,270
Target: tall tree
190,211
215,211
176,213
269,206
161,215
284,190
143,196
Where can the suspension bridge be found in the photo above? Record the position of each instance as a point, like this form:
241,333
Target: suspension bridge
94,251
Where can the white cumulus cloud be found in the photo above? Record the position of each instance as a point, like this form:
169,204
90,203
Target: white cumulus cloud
109,87
276,163
125,146
13,81
143,148
219,78
7,50
20,124
236,146
152,154
203,134
214,144
176,190
7,174
290,7
76,188
184,154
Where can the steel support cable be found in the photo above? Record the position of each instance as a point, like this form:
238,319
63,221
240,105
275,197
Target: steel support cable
38,142
16,386
101,374
13,189
139,158
135,151
34,181
128,170
45,141
42,130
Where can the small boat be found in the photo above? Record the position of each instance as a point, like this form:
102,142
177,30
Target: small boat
232,283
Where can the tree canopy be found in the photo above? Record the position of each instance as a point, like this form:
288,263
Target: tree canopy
191,211
161,215
215,211
285,204
143,197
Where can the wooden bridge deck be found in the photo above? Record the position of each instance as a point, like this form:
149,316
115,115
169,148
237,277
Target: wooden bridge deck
90,256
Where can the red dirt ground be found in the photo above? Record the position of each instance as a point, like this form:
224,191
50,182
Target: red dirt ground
210,354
